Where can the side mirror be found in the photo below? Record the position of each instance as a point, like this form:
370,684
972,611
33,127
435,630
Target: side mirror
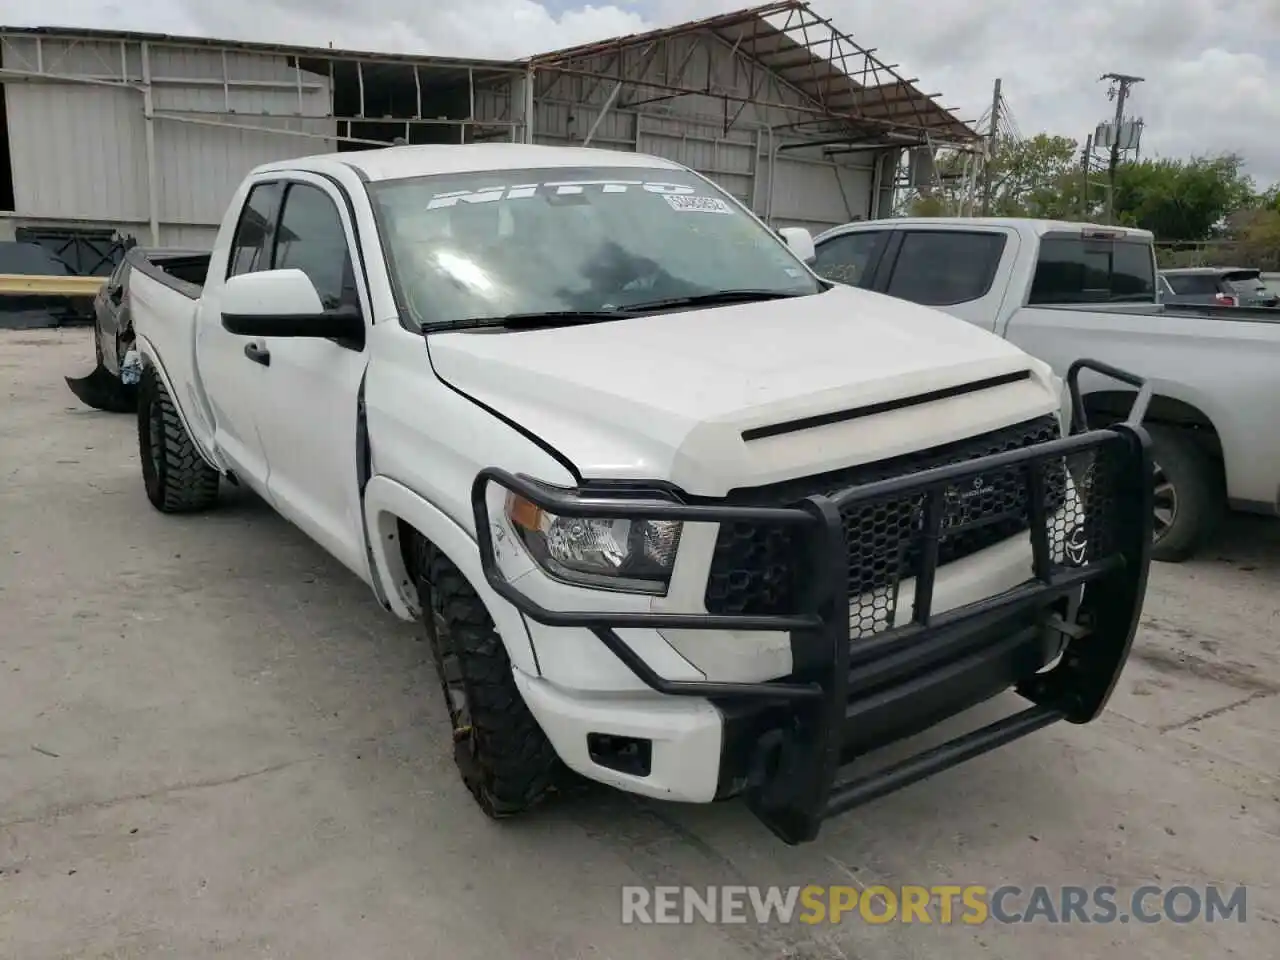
115,294
284,303
800,241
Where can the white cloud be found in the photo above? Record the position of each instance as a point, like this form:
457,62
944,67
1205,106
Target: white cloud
1211,66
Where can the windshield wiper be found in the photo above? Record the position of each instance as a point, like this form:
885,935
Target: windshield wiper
713,298
516,321
566,318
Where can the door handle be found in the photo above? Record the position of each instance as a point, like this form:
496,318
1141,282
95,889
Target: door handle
258,353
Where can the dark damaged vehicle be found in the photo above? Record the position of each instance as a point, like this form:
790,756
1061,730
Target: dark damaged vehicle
105,387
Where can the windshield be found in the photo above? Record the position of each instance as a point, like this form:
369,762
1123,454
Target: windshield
516,242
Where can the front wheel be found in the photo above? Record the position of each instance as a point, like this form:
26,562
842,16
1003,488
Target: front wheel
177,478
504,757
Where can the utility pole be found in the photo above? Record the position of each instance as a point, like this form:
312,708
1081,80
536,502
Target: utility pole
1085,155
992,136
1121,82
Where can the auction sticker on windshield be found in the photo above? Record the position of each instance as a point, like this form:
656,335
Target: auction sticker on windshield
687,204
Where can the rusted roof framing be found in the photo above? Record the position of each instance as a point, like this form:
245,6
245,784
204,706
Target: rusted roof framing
838,80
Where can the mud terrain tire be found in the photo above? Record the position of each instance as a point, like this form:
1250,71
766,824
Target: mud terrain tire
177,478
504,757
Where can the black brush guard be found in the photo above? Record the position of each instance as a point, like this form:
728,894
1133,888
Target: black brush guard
848,695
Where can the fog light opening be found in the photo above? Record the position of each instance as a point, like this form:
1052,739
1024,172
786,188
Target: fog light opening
629,755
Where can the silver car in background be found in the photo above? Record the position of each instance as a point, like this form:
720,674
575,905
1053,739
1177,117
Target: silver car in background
1217,286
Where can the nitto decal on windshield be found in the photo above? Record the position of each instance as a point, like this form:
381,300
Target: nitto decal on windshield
523,191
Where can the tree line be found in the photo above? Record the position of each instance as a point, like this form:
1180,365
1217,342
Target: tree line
1200,209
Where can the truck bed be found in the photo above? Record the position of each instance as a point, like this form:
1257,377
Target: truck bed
180,270
1215,312
164,294
1170,311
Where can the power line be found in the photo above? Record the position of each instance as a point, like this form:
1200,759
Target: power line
992,139
1010,121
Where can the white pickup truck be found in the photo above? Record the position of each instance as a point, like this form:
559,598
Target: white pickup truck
677,514
1061,291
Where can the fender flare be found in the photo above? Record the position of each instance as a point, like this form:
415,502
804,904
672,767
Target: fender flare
387,502
150,357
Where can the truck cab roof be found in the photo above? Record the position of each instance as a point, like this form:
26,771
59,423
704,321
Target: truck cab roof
396,163
1242,272
1024,225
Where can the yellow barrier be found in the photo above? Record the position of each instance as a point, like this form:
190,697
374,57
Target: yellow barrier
20,284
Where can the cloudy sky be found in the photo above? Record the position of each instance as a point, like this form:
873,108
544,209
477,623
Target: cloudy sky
1212,67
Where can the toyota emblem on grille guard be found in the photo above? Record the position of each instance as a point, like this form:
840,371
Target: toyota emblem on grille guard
1076,546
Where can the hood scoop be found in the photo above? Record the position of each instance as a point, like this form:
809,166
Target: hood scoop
841,416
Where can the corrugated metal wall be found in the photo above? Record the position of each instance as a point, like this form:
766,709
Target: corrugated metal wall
817,193
726,141
79,150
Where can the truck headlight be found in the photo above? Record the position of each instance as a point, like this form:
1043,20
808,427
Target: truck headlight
632,556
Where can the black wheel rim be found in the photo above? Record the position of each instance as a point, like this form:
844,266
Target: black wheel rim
1164,503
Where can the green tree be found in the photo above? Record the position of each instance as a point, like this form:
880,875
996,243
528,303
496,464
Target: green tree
1042,177
1256,236
1182,199
1027,178
1031,178
1269,199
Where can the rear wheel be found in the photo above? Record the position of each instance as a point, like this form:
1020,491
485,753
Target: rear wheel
1188,499
176,476
504,757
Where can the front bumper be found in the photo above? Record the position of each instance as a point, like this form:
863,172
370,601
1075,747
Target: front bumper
856,687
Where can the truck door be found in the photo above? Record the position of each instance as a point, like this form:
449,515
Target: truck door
234,384
310,409
953,270
850,257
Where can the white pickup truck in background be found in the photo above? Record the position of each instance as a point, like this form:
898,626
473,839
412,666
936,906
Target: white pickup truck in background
1062,291
676,513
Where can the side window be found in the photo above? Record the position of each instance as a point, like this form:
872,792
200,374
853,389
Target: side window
1194,284
248,247
945,267
311,238
851,257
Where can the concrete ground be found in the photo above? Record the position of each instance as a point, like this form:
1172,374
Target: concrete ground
213,742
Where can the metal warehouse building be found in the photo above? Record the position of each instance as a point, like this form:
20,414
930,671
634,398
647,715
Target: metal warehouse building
111,135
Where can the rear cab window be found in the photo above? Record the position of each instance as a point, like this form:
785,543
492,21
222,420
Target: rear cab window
1084,268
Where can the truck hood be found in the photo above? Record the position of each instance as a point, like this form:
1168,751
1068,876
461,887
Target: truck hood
669,396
